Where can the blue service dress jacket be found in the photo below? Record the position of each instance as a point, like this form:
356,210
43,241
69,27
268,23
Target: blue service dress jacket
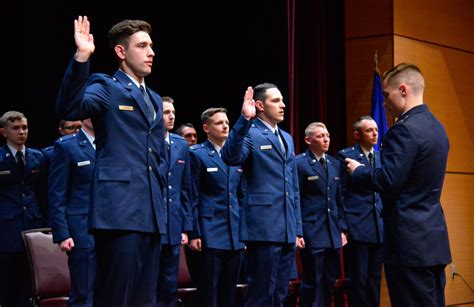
271,206
127,185
414,156
177,192
48,153
363,207
21,197
70,174
218,190
321,204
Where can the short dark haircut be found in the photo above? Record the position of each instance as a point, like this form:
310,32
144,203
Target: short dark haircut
10,116
181,128
208,113
260,91
357,124
167,99
120,33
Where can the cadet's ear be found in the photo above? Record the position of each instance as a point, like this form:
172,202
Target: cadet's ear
357,135
306,140
259,105
2,131
403,89
205,127
120,51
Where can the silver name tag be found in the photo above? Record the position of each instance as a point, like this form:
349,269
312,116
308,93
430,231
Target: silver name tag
83,163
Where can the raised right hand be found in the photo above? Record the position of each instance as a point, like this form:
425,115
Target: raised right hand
248,107
83,38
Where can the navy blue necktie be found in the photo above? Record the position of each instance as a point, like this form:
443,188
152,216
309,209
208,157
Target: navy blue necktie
20,162
282,146
323,163
149,105
371,159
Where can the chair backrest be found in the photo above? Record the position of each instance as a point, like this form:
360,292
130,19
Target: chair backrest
184,278
49,268
299,264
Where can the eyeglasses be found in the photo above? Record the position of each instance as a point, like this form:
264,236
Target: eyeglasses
71,128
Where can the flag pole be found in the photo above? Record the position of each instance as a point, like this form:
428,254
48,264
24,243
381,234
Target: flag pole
376,62
377,108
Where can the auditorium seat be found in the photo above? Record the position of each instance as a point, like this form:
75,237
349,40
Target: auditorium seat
49,269
186,290
295,284
341,288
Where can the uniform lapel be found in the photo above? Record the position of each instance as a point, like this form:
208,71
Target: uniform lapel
378,163
360,157
173,151
215,158
85,145
134,92
331,169
270,136
286,141
316,165
10,159
156,100
29,159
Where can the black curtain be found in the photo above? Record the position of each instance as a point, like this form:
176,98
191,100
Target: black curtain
207,53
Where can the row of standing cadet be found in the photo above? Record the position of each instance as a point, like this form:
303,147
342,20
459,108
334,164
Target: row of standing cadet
128,212
71,162
24,199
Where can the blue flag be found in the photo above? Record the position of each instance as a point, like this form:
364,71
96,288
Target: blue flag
378,111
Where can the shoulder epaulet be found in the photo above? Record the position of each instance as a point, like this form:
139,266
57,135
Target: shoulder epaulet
197,146
347,150
300,156
35,151
176,136
97,77
46,149
67,137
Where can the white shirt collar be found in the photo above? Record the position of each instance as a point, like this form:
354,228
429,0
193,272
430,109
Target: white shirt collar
319,157
269,126
134,81
13,150
89,137
216,147
366,153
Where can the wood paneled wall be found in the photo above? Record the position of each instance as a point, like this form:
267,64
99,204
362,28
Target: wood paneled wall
449,93
437,36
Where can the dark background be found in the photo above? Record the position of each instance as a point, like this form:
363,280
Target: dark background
207,53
